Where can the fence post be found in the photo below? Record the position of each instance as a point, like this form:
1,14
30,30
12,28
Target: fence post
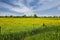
0,33
43,26
33,26
0,29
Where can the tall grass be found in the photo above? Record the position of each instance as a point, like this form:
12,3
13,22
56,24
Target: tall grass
50,33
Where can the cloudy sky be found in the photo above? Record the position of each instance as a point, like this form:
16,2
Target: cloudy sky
30,7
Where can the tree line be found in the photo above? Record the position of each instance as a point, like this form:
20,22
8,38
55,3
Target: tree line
34,16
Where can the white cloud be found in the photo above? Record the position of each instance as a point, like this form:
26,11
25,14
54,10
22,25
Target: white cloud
44,15
7,14
50,0
30,0
45,0
47,5
5,5
58,8
23,9
26,10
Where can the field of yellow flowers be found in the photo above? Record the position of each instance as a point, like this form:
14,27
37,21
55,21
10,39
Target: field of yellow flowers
25,24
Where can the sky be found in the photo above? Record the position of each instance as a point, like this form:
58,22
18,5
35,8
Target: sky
30,7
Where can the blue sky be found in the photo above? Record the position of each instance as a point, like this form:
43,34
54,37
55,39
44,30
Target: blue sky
30,7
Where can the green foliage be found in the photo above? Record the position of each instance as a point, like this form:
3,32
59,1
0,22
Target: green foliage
35,16
24,16
46,33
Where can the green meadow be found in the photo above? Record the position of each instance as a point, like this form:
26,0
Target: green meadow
29,28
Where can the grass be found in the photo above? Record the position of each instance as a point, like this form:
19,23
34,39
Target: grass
46,33
24,24
49,33
23,28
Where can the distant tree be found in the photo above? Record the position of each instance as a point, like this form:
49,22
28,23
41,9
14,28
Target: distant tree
11,15
6,16
49,16
55,16
1,16
18,16
44,16
24,16
59,16
35,16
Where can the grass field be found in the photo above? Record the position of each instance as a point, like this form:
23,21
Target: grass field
16,25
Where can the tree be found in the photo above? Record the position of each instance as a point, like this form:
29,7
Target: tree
55,16
35,16
24,16
11,15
